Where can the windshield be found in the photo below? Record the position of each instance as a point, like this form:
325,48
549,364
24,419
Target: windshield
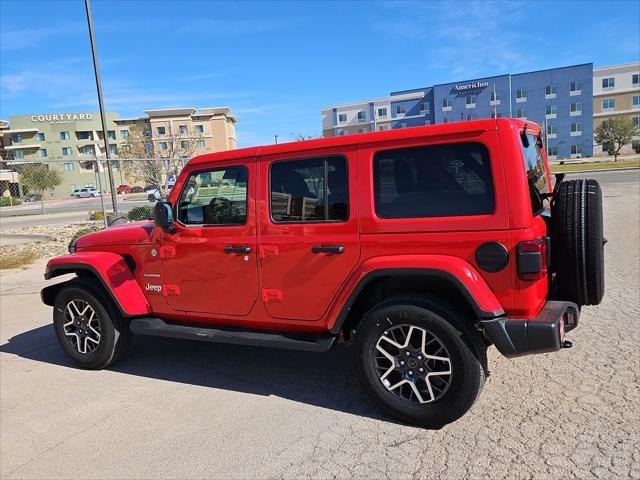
536,172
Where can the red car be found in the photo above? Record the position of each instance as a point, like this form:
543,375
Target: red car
420,246
123,189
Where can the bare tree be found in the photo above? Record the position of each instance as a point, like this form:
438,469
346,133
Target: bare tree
155,159
298,137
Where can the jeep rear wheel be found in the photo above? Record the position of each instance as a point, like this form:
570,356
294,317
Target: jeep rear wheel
421,360
88,327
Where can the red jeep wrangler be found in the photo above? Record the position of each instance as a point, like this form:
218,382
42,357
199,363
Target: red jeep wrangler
422,246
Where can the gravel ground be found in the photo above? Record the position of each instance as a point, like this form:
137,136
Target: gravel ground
177,409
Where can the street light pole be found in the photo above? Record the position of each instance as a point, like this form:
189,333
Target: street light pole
103,116
276,138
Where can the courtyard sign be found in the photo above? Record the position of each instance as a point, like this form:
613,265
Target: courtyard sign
61,117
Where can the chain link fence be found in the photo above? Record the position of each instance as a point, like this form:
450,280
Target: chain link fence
81,188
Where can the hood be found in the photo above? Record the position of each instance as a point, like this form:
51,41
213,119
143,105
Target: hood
128,234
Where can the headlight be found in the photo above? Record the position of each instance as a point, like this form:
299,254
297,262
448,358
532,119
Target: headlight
72,245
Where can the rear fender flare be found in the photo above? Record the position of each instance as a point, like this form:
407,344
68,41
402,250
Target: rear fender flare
453,270
110,269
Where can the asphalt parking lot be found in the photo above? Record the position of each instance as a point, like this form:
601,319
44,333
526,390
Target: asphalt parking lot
179,409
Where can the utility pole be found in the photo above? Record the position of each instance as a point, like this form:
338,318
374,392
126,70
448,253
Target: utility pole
103,117
495,102
276,138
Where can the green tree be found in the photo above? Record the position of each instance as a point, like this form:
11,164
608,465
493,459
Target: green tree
615,133
39,178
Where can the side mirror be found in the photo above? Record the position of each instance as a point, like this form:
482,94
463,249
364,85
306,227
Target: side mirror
163,216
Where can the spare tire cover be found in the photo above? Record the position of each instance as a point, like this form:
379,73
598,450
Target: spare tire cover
577,243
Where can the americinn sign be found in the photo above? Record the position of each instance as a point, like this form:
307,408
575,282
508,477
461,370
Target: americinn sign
469,88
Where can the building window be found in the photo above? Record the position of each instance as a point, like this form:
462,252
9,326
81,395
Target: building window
576,128
362,116
552,130
575,88
553,151
111,134
471,101
608,82
551,111
400,109
576,149
182,129
446,103
445,120
84,135
363,130
68,167
495,96
64,136
382,112
425,107
469,117
18,154
608,104
200,143
124,133
635,79
636,121
407,186
576,108
520,113
635,101
16,138
86,150
66,151
42,152
343,132
427,122
550,90
381,128
161,130
184,144
521,95
310,190
496,114
162,145
636,146
342,117
199,128
40,137
113,149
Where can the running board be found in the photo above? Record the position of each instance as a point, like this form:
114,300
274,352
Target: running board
292,341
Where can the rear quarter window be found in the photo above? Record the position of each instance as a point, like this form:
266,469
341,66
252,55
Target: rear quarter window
433,181
536,172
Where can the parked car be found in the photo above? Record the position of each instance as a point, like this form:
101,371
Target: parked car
123,189
137,189
153,195
33,197
420,247
87,192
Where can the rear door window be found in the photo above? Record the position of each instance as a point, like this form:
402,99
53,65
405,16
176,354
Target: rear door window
536,172
433,181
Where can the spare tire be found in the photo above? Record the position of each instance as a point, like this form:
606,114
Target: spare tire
577,242
116,219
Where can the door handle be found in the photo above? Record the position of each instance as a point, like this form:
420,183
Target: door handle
241,249
330,249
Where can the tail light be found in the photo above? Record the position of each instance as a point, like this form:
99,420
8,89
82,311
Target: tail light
533,259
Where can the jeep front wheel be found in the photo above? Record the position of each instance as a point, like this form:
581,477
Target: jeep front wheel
420,360
88,327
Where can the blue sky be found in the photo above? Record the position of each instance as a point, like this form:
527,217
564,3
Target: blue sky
276,64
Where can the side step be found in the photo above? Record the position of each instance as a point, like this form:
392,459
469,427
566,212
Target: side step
291,341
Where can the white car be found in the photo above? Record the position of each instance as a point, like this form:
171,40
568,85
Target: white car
153,194
86,193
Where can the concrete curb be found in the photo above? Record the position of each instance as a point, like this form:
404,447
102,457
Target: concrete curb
623,169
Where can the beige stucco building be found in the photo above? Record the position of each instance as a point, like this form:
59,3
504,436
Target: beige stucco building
616,92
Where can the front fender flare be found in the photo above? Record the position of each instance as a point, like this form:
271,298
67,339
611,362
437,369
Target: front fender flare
112,271
446,268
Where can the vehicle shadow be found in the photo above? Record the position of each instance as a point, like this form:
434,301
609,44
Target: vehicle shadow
326,380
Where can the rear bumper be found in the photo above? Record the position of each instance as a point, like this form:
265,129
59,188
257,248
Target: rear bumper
541,334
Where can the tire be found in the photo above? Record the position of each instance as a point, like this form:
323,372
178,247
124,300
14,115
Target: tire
463,346
114,334
116,219
577,243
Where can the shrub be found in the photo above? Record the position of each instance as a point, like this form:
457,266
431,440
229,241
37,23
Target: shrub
9,201
97,216
84,231
141,213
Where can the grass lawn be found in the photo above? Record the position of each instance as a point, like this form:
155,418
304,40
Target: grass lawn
578,167
16,259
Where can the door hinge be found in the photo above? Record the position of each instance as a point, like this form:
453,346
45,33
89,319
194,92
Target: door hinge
167,252
266,250
271,295
170,290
